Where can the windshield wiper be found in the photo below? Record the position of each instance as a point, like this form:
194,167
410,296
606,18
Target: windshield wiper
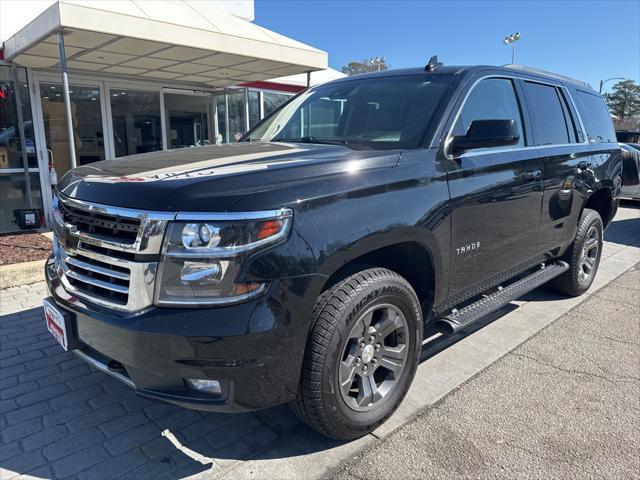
320,141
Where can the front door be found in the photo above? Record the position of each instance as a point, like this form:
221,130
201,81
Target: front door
496,195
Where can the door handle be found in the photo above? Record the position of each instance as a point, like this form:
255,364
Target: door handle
583,165
532,175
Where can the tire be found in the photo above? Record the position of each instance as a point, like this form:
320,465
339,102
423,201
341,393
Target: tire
583,256
326,400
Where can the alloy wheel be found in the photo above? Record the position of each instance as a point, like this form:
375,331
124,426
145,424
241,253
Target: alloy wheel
590,250
374,357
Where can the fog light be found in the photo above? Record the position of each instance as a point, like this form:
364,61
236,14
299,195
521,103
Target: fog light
203,385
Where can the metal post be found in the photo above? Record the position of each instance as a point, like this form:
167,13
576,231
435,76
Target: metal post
226,116
67,100
246,110
308,79
23,140
513,53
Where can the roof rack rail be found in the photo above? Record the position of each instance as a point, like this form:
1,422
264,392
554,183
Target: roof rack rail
539,71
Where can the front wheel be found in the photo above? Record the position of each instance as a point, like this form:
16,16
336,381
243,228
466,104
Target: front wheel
362,354
583,256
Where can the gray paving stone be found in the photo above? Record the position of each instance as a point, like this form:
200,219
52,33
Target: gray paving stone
64,415
9,450
115,467
47,393
62,376
21,430
11,392
132,438
79,461
70,444
26,413
123,423
44,438
96,417
78,396
22,463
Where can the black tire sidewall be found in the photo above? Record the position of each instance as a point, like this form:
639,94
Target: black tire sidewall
390,292
593,220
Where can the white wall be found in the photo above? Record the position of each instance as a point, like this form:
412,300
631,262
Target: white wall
15,14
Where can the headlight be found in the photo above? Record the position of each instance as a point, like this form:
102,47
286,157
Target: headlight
201,259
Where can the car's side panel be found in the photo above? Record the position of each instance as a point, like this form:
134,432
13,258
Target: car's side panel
407,203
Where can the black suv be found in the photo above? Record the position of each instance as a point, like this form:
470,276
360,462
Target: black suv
303,263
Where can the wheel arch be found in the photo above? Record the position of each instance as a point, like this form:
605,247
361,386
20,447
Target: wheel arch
414,260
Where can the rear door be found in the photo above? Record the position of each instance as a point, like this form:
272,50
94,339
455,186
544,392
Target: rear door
495,193
566,162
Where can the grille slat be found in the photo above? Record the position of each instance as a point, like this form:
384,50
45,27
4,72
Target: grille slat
107,272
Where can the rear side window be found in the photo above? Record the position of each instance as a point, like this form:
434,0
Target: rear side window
548,117
491,99
596,116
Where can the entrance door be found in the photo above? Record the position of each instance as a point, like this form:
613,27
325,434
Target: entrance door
189,118
87,119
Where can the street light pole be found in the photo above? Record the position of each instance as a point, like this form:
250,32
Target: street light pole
512,39
602,82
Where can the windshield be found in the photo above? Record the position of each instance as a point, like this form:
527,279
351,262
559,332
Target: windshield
375,113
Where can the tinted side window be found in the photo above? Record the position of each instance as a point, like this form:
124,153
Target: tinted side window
549,122
491,99
596,116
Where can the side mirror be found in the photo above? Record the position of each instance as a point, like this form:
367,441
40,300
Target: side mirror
487,133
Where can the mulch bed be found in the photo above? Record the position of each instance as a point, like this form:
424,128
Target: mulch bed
23,247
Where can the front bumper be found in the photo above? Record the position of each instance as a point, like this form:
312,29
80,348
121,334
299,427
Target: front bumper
253,349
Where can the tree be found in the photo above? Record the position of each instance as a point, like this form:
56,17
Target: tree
624,100
375,64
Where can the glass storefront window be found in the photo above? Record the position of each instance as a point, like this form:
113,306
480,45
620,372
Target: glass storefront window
14,197
222,122
273,100
10,147
136,121
18,190
254,108
237,126
188,116
87,124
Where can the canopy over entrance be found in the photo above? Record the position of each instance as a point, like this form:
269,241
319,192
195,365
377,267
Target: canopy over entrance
167,40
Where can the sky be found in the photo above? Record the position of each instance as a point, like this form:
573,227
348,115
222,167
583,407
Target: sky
587,40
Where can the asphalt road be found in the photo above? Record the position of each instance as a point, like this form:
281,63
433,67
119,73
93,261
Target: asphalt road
566,404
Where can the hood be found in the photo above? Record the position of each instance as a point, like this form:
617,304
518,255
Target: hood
213,178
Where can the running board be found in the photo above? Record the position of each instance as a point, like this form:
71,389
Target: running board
460,319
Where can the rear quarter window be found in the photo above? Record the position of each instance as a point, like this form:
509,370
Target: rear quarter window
596,118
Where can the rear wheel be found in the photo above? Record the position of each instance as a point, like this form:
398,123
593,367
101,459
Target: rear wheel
362,354
583,256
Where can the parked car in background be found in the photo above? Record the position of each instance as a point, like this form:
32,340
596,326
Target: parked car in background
631,171
304,263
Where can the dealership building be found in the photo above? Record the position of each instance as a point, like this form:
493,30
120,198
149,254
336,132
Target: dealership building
143,76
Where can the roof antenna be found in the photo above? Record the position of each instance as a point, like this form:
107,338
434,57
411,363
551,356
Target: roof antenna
433,64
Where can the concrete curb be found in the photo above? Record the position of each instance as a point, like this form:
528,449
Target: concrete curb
21,274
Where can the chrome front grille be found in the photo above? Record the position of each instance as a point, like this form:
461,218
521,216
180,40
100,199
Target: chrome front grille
100,225
108,255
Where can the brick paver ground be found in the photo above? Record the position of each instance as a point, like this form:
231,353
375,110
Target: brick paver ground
60,418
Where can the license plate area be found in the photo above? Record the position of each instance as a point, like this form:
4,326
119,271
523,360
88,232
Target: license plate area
59,323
